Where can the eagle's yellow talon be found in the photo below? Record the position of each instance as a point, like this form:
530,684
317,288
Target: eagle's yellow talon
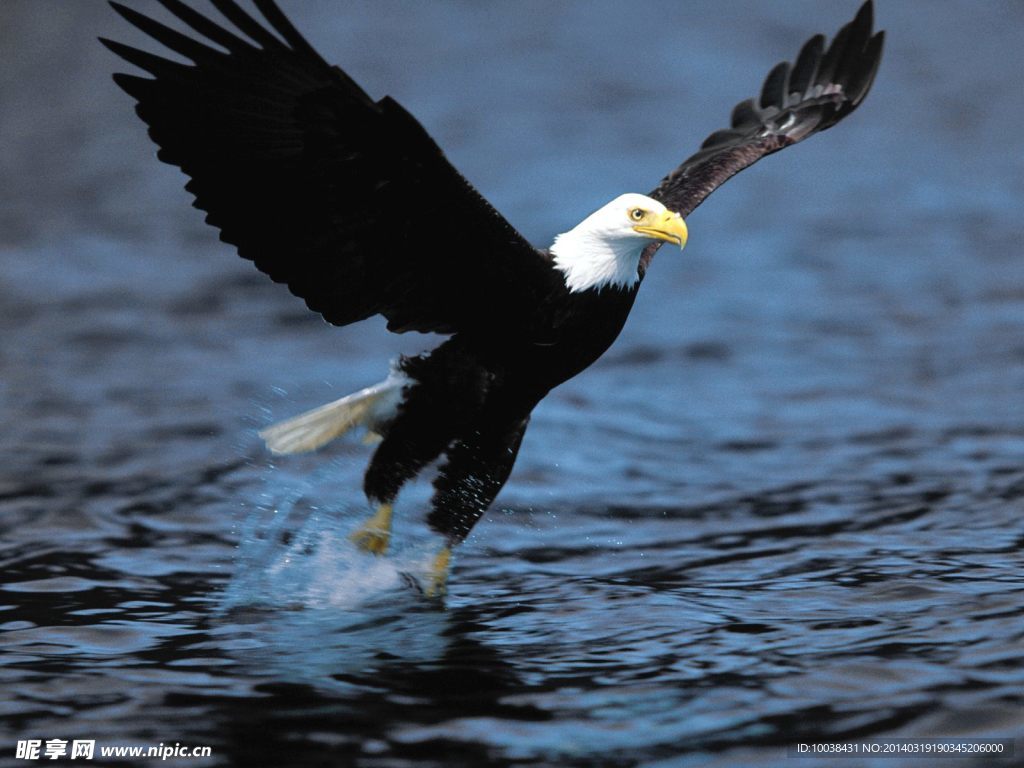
375,534
437,579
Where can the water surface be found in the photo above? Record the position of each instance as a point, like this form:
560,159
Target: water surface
786,506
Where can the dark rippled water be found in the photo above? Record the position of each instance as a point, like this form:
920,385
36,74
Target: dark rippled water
786,507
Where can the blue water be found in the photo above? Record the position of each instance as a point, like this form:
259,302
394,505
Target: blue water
785,507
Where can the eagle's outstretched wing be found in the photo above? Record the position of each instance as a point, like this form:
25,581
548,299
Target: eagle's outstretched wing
345,199
797,100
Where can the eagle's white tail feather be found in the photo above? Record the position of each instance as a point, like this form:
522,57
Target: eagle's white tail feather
370,407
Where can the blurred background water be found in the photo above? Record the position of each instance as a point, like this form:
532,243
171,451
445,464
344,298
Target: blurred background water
785,507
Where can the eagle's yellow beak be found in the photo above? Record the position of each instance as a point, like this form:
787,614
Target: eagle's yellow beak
669,227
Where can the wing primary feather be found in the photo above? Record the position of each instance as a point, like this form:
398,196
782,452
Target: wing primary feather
155,65
860,32
773,93
860,83
205,26
865,18
852,54
806,66
827,67
133,85
247,24
173,39
744,113
273,14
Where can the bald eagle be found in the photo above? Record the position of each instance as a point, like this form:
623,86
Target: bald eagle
350,203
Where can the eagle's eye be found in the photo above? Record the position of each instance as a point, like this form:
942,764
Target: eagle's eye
637,214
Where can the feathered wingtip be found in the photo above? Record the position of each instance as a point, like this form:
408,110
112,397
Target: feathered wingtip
824,84
840,74
253,37
828,82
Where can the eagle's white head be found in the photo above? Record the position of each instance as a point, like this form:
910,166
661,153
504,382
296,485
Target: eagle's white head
604,249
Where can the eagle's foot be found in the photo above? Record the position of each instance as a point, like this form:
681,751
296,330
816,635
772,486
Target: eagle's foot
374,535
436,584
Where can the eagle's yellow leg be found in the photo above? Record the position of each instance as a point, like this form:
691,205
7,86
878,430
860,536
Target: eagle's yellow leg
375,534
437,578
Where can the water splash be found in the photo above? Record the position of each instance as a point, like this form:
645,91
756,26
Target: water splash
293,553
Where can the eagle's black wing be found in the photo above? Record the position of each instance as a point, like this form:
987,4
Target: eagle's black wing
347,200
797,100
